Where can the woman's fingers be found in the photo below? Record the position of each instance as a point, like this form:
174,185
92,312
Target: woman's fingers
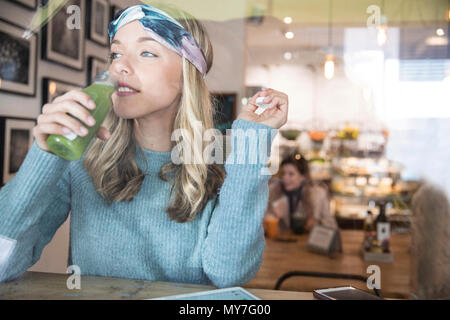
77,95
61,118
73,108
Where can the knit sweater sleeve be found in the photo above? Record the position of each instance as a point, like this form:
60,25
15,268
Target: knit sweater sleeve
33,204
234,245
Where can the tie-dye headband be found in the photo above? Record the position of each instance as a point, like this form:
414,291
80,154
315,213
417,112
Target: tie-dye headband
164,29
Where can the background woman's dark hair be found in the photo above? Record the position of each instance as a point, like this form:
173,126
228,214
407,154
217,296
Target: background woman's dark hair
300,163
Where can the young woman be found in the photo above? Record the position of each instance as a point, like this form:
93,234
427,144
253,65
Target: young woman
134,212
296,194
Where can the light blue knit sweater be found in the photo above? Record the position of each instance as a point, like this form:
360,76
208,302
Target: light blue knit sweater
222,246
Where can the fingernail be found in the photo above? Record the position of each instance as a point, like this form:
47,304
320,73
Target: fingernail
91,120
92,104
83,130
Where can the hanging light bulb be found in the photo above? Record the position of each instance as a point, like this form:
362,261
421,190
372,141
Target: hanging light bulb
381,35
328,68
382,31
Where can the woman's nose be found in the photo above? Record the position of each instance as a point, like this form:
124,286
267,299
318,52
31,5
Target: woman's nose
122,67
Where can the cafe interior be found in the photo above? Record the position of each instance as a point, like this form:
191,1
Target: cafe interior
368,123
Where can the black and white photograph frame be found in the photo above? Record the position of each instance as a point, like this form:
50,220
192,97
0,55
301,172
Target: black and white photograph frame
30,4
95,66
63,37
18,63
225,104
16,141
52,88
99,12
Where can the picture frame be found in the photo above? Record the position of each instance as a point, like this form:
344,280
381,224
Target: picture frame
224,104
95,66
63,44
15,142
18,63
30,4
52,88
99,13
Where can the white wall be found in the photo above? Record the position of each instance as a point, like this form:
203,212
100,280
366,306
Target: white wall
226,75
310,94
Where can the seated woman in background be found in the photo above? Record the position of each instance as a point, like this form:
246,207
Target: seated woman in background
296,195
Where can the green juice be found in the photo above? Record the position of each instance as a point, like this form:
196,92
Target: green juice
72,147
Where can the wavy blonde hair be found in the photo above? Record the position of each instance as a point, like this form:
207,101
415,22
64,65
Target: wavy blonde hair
112,165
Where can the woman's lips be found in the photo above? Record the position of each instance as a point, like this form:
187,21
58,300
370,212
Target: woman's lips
129,90
126,93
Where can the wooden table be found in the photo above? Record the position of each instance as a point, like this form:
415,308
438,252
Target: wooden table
52,286
281,257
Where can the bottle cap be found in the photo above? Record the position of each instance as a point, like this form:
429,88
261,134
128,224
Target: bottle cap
106,78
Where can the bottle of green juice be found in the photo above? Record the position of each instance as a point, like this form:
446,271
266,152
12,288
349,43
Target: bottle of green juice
72,147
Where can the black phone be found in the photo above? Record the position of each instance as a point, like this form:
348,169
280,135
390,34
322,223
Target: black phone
344,293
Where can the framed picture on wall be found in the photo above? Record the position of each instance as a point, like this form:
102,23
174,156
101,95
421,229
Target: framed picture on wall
99,19
95,66
18,60
54,88
225,110
63,36
31,4
16,139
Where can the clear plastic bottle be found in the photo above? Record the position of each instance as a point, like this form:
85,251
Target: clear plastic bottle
72,147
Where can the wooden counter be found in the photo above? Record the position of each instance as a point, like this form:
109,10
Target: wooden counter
281,257
52,286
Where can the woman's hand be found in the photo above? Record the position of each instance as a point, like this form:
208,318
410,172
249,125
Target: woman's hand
55,118
274,116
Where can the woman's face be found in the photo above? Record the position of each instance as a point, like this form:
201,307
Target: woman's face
151,69
291,177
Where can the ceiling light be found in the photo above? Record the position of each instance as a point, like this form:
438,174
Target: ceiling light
289,35
287,55
287,20
440,32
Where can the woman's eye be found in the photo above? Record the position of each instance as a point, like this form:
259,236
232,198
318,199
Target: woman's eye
113,55
147,54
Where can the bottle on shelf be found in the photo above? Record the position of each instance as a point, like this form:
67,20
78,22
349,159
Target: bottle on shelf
369,231
383,227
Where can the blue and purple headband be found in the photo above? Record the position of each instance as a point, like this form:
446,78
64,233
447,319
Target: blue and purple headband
164,29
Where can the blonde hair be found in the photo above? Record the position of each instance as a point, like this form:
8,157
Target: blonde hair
112,165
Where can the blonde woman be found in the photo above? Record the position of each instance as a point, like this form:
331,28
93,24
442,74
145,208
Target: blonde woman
135,213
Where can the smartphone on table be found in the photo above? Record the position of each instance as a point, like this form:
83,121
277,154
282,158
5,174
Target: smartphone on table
344,293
